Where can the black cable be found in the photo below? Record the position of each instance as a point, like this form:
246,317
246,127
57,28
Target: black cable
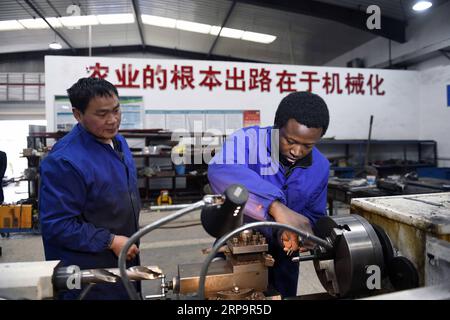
225,238
85,291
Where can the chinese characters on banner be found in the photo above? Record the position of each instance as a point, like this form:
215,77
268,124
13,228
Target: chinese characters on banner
185,77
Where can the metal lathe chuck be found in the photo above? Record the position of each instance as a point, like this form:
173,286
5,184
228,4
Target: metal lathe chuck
357,253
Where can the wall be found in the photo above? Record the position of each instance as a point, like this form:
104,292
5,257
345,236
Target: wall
425,35
395,112
434,112
21,65
37,64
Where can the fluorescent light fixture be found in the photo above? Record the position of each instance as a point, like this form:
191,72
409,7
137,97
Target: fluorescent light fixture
158,21
214,30
78,21
232,33
54,22
193,26
242,35
34,23
207,29
116,18
422,5
55,45
10,25
258,37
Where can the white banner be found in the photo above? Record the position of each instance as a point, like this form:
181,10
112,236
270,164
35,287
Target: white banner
352,94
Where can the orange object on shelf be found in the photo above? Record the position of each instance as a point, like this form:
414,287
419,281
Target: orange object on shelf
164,198
16,216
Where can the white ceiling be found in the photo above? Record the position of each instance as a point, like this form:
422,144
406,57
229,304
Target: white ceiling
301,39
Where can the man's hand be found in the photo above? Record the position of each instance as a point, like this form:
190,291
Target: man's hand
119,242
283,214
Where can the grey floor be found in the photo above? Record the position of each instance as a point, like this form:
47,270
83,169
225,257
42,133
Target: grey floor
166,248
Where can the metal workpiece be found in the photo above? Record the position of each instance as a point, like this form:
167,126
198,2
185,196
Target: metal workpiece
98,276
355,247
63,275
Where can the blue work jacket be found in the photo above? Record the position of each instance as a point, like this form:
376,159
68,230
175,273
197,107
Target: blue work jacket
88,192
246,157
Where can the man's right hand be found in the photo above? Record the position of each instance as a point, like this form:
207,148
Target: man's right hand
282,214
119,242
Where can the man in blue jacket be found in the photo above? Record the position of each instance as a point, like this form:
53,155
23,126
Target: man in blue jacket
285,175
89,202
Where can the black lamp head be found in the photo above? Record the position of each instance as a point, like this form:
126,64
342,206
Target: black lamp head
220,219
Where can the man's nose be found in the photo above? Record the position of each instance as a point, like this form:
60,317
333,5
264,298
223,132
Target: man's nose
297,151
111,118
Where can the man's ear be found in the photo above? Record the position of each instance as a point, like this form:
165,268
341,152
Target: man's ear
76,114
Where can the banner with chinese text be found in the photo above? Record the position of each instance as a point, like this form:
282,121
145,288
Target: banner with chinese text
352,95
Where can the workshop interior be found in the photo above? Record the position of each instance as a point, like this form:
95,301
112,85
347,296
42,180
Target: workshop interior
189,74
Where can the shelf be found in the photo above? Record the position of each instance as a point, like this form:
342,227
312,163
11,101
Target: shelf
174,176
147,155
374,142
395,166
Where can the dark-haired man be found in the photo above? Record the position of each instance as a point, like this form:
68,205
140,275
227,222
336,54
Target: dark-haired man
88,201
285,175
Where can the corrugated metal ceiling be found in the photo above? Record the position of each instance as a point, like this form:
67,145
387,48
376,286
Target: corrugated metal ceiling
301,39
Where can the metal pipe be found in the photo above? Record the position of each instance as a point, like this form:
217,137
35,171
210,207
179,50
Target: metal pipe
169,207
304,258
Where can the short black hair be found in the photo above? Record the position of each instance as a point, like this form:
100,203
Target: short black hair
306,108
85,89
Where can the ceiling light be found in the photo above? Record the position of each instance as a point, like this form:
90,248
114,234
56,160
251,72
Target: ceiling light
193,26
232,33
115,18
10,25
55,45
422,5
207,29
258,37
54,22
214,30
78,21
34,23
158,21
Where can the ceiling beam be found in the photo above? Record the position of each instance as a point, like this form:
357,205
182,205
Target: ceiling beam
99,51
446,53
221,27
137,15
53,7
28,2
391,28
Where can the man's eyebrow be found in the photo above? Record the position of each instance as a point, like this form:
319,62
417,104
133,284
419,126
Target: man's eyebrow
292,139
298,142
107,109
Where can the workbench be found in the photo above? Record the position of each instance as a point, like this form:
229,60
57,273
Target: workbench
418,227
343,191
